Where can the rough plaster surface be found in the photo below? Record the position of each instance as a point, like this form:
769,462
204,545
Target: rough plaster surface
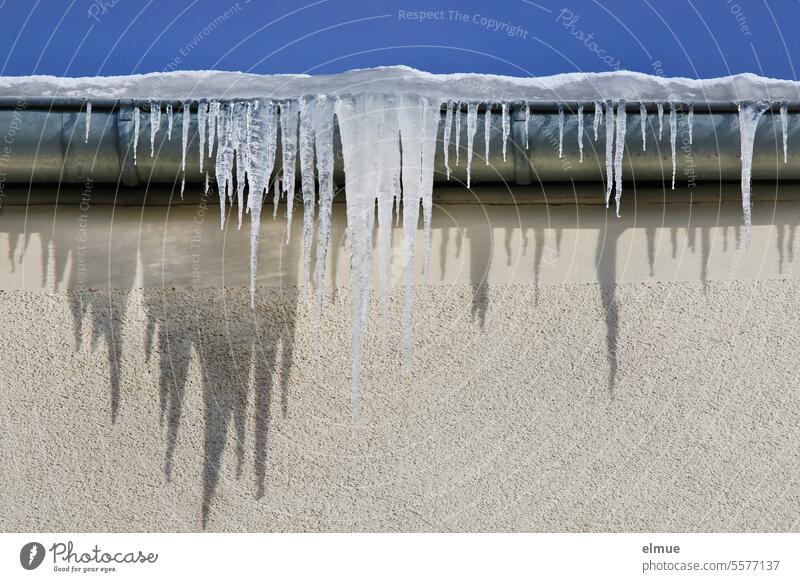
645,406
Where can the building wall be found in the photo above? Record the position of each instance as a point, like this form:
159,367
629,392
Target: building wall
571,372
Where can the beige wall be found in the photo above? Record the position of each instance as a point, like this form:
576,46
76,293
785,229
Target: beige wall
141,392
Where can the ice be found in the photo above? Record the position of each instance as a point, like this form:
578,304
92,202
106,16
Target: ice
276,195
458,130
448,127
137,121
643,125
749,115
242,141
169,120
598,117
186,121
306,151
289,120
609,150
506,128
202,123
322,120
155,124
691,122
261,134
580,132
487,130
223,167
660,120
472,125
560,131
673,134
213,120
419,118
784,130
526,119
89,120
619,152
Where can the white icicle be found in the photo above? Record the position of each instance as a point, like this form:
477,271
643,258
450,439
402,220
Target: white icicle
660,120
187,119
223,167
88,120
609,150
213,121
169,120
580,132
472,125
487,130
643,125
242,141
506,128
276,195
526,119
323,142
306,151
598,117
448,127
749,115
785,130
202,122
691,122
262,133
673,134
418,126
621,121
560,131
289,119
458,130
137,121
155,124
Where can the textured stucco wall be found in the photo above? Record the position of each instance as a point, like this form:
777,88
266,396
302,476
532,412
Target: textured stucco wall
570,374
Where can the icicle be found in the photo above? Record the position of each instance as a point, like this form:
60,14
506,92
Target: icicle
660,120
213,121
202,122
323,142
242,139
643,125
580,132
183,184
169,120
89,120
560,131
448,123
784,129
506,128
136,123
418,126
458,130
472,124
598,117
306,152
276,195
185,134
487,130
223,167
749,115
289,113
673,134
621,121
609,150
526,119
155,124
262,133
207,185
691,122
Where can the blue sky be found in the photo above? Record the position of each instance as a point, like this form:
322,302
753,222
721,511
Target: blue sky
518,37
